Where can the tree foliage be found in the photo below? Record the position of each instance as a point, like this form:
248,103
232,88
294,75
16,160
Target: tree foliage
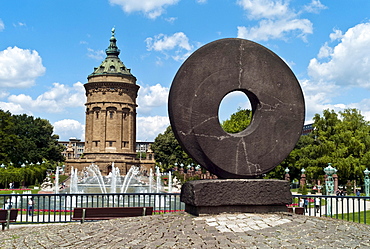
26,140
343,141
238,121
24,176
167,151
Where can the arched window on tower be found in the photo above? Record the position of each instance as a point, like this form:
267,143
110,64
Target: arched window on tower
125,112
97,111
111,111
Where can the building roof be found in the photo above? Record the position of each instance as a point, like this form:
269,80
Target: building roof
112,65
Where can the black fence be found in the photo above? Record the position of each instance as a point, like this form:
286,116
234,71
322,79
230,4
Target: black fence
350,208
49,208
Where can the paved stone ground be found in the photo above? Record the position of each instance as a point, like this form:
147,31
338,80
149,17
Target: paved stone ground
181,230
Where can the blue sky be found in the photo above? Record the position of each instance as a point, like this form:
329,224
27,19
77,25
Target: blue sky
48,48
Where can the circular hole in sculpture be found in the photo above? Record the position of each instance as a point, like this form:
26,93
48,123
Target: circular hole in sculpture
235,112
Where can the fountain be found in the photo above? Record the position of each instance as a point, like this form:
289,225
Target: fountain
93,182
150,180
133,171
74,181
170,182
159,180
56,181
115,178
94,169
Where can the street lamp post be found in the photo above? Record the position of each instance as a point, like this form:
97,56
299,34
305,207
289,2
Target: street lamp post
329,184
287,176
303,178
367,182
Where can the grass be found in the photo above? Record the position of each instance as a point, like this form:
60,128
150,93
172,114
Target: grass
17,191
45,212
355,217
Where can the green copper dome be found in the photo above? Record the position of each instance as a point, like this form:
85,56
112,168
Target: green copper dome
112,64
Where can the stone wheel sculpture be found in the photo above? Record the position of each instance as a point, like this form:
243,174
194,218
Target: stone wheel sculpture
206,77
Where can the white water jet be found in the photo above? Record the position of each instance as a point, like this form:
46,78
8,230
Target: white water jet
94,169
74,180
150,180
159,182
170,182
115,174
56,181
133,171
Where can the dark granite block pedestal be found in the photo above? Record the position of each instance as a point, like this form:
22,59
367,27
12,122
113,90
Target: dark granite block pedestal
236,195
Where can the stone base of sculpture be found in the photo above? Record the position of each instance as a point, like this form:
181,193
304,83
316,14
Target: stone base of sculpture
236,195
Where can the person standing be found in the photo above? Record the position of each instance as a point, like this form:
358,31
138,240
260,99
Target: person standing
30,206
305,205
317,204
8,204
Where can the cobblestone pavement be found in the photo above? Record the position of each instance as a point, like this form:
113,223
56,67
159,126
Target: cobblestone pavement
181,230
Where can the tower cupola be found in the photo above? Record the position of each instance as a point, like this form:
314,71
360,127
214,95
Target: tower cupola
112,65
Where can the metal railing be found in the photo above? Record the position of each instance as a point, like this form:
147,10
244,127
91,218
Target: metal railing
51,208
350,208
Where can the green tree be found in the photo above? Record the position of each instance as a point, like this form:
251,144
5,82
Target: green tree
25,143
35,141
342,140
238,121
7,136
167,151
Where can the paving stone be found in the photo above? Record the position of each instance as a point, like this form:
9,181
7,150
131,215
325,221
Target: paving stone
180,230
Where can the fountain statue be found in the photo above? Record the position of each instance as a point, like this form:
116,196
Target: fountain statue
46,186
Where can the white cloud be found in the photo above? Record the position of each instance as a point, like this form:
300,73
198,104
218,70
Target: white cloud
163,43
19,24
14,108
325,51
276,20
364,106
96,54
314,7
151,8
257,9
150,97
338,34
348,62
3,94
318,97
201,1
148,128
53,101
2,25
68,128
19,68
269,29
171,19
